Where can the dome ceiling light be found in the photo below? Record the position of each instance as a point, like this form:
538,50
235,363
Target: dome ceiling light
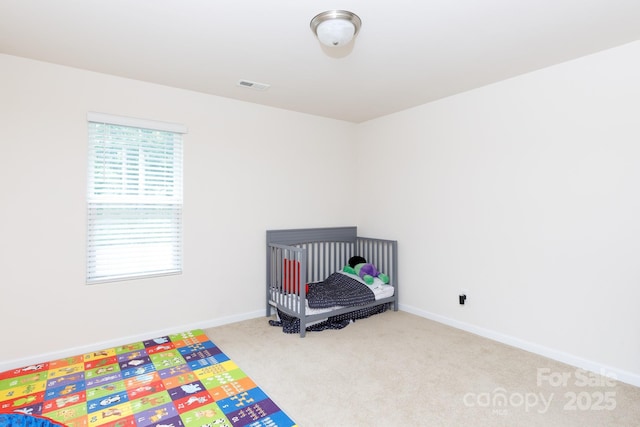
335,28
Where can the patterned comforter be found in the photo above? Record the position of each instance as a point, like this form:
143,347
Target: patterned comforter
339,289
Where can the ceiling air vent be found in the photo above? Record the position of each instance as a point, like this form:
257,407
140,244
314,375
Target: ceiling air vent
253,85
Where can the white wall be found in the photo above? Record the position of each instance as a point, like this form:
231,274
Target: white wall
526,193
247,169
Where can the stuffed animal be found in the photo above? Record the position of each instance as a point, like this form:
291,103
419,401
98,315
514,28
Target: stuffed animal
367,271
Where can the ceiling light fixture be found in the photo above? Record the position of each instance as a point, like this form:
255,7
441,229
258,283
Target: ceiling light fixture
335,28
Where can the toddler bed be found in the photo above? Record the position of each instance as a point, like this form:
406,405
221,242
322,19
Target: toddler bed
305,281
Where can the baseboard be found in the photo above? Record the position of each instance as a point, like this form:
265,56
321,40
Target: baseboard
578,362
39,358
569,359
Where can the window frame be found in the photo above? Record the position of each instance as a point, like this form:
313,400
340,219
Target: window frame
134,215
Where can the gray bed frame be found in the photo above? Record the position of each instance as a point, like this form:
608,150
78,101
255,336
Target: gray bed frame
320,252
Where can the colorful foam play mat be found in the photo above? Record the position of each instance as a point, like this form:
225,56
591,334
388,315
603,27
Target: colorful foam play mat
181,380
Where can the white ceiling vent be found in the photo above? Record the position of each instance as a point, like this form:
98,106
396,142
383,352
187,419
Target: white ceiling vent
253,85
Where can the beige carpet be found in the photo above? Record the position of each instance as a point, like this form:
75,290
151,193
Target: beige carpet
397,369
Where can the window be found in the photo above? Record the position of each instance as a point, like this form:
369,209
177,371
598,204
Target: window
134,199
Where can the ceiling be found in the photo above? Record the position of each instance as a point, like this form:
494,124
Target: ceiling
407,53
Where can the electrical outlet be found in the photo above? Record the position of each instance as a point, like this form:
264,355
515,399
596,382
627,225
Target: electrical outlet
463,296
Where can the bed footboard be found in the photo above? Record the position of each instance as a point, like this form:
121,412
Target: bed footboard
286,270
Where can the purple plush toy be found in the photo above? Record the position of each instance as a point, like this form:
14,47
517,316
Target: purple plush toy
367,271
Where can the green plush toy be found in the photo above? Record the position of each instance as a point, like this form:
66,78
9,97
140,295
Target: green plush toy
367,271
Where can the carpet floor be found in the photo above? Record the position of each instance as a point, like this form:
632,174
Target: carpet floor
398,369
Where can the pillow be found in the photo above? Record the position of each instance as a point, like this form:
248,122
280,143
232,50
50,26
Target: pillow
377,283
291,276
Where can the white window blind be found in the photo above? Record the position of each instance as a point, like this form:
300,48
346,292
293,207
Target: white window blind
134,198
